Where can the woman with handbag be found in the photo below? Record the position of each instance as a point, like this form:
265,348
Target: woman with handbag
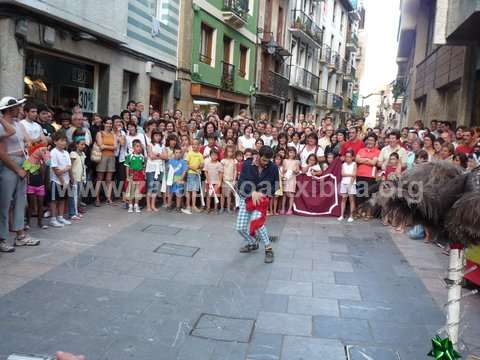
106,142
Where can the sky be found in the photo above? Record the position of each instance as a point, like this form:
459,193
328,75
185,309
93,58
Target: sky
381,27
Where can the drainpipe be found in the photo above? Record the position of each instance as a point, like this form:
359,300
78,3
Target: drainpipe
252,110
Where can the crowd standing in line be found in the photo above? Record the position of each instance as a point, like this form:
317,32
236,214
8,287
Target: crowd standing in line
53,165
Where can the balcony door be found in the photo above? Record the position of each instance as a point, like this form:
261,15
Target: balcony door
227,50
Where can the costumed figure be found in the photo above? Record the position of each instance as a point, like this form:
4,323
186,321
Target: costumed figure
445,200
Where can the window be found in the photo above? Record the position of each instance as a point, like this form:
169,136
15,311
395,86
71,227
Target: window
227,46
341,20
334,13
242,70
206,45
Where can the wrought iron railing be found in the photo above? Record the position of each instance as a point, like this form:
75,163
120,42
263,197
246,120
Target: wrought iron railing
322,98
337,102
325,54
352,39
335,60
205,59
303,22
303,78
228,76
276,84
239,7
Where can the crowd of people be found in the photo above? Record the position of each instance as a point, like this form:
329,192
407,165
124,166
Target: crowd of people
53,165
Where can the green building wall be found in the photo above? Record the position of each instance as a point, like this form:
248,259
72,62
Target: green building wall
212,75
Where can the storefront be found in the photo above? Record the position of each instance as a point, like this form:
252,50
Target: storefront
229,103
60,81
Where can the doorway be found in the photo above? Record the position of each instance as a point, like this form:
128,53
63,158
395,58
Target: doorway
158,94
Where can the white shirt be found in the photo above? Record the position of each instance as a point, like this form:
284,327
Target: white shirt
348,168
247,143
33,129
120,150
297,147
267,139
129,140
154,165
60,160
305,153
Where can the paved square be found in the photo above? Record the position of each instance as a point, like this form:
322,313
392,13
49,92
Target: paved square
357,352
104,292
177,250
223,328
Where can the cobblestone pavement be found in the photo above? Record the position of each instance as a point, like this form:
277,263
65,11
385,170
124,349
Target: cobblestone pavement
170,286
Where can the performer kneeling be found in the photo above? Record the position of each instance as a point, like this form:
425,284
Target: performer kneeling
258,182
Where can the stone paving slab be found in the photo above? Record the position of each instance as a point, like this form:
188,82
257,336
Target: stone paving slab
101,290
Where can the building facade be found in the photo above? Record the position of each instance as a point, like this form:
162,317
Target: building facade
438,68
95,54
323,42
273,57
223,53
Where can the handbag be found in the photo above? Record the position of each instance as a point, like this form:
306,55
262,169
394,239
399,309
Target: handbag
96,153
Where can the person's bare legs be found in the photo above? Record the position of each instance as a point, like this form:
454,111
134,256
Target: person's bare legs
343,205
352,205
100,177
108,180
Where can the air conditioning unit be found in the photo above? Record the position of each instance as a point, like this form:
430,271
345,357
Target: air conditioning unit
195,69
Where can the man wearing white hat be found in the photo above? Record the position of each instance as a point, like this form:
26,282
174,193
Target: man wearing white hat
12,176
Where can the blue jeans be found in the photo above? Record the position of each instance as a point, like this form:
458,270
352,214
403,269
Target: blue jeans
74,200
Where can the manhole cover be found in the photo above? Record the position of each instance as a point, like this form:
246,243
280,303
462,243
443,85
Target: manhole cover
223,328
357,352
176,249
161,229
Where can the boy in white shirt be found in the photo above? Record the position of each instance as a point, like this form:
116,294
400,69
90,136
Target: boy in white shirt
60,175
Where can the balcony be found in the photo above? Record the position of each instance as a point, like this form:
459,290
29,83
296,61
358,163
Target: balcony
303,79
334,63
352,42
350,73
304,27
322,99
228,76
235,12
342,68
274,84
337,102
325,54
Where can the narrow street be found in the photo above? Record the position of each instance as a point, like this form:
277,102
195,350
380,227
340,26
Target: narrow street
164,288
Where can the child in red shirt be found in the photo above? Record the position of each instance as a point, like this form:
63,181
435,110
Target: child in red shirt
394,168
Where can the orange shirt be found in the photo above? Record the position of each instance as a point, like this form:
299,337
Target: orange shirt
365,170
109,140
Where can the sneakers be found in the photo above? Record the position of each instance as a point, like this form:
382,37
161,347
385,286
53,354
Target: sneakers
268,256
249,248
136,208
187,211
26,240
75,218
350,219
4,247
130,208
63,221
56,224
340,218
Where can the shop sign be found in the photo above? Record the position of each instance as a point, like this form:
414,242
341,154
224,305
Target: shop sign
86,99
